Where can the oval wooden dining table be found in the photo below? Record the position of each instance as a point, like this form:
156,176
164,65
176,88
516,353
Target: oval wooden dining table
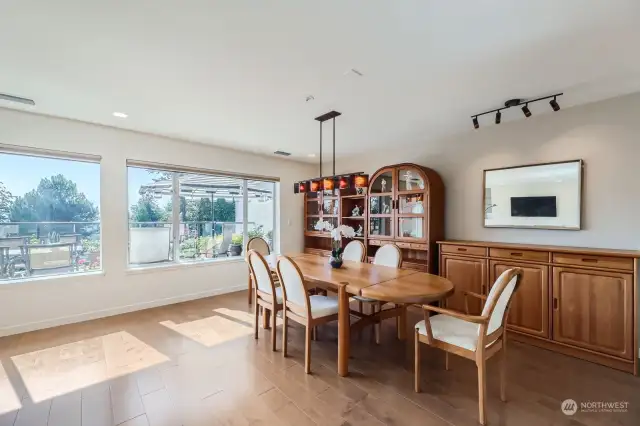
400,286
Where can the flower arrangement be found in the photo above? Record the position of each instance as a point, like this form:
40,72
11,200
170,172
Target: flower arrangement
336,239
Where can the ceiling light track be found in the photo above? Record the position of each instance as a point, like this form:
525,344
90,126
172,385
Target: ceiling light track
515,103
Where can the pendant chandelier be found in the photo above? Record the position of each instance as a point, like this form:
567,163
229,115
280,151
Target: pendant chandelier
329,183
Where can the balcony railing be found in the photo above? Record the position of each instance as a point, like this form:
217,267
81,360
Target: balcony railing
48,248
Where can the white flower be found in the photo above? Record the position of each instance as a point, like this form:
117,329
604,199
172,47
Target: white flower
342,231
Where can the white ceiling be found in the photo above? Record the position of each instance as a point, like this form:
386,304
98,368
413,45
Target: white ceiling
236,73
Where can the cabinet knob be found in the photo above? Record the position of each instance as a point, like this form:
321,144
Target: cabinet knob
516,254
555,303
590,260
462,249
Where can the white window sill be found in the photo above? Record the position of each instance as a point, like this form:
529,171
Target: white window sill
27,280
170,266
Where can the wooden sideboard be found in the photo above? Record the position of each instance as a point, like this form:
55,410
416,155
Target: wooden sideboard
578,301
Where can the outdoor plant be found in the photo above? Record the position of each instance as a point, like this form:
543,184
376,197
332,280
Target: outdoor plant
90,246
236,239
258,231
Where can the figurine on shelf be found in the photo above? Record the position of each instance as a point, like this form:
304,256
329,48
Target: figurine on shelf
361,191
385,208
383,185
374,206
408,176
359,231
355,212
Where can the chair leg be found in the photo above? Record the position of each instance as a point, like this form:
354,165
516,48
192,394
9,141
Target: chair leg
482,392
274,317
503,369
255,325
266,316
376,309
416,356
307,350
446,361
360,306
284,332
250,290
401,322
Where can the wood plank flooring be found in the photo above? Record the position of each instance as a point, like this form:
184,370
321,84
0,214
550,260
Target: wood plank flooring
197,363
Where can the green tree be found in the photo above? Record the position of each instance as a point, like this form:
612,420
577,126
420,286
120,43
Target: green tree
5,203
147,210
224,211
56,199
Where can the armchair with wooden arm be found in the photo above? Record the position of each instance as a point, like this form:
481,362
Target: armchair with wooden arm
475,337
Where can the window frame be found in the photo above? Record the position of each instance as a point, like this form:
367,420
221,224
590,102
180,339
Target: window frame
44,153
175,170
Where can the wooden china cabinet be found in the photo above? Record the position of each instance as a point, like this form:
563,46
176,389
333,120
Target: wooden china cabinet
406,207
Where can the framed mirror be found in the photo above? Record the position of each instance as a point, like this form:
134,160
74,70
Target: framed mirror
543,196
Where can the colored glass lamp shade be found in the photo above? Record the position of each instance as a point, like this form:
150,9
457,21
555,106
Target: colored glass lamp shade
303,187
316,185
344,182
361,181
327,184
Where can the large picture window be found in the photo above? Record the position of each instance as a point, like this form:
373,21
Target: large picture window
49,215
180,216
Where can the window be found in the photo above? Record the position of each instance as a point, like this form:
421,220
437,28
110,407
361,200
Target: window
49,214
182,216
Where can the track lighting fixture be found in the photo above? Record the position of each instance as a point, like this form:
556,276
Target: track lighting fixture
517,102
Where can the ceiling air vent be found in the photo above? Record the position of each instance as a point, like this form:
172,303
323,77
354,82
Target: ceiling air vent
18,99
283,153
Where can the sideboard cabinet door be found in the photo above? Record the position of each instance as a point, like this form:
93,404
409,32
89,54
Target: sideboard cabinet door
594,310
466,274
529,311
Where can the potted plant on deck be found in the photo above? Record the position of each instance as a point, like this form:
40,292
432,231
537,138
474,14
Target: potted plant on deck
235,248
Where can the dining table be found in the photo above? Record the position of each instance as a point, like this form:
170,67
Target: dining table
386,284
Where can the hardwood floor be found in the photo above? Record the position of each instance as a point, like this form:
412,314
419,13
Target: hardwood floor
197,363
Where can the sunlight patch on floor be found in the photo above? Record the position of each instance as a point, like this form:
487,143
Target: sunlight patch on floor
9,401
211,331
51,372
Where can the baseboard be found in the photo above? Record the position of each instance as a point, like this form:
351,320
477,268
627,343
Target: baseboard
55,322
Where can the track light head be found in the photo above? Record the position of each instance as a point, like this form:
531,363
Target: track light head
498,117
475,123
526,110
554,104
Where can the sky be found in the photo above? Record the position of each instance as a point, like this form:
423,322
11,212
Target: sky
21,174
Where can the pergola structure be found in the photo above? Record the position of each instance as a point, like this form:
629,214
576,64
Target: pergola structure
204,186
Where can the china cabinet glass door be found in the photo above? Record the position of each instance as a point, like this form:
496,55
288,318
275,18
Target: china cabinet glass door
410,204
381,205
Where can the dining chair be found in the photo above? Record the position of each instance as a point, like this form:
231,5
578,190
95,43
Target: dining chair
474,337
354,251
309,311
267,295
387,255
261,246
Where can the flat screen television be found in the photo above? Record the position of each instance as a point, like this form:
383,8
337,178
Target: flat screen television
533,207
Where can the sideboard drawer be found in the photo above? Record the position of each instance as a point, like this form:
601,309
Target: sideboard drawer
622,263
471,250
537,256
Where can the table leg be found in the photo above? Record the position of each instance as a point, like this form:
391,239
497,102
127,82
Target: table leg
343,332
402,322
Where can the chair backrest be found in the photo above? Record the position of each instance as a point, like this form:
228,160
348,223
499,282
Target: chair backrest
500,297
12,242
388,255
354,251
260,272
293,287
260,245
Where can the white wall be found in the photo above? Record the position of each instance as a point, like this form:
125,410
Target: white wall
606,135
47,302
